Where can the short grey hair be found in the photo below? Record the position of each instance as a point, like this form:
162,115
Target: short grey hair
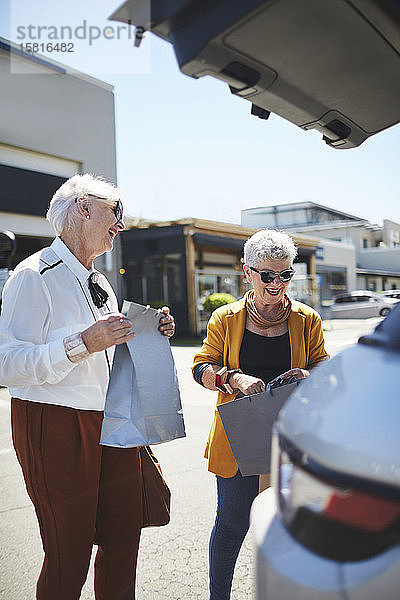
63,211
268,244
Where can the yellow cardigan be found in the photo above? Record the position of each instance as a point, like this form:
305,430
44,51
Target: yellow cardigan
222,346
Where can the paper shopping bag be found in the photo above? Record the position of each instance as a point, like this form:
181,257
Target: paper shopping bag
248,425
143,404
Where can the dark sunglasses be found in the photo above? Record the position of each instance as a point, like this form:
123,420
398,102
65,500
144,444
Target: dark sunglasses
269,276
118,209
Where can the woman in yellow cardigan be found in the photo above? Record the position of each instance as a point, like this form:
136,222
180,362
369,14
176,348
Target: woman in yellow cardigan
248,343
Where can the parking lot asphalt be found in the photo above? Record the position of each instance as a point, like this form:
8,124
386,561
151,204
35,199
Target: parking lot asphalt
172,559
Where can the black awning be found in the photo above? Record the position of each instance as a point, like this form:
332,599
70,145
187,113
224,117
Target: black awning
302,252
218,241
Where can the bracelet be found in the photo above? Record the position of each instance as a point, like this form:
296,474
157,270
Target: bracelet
75,348
225,387
232,372
218,381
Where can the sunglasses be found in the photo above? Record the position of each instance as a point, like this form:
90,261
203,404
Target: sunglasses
269,276
118,209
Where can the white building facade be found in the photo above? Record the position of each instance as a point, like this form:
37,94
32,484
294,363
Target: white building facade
352,253
54,122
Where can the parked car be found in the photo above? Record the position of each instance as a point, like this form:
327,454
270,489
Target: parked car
329,528
361,304
392,294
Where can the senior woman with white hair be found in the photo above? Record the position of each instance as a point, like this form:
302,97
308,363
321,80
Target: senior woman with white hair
58,329
249,343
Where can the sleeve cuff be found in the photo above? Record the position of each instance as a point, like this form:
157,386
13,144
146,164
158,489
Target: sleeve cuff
198,372
59,359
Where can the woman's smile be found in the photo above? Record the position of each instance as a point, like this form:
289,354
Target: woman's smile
112,232
272,292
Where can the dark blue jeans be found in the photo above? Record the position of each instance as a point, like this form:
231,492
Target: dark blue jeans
235,496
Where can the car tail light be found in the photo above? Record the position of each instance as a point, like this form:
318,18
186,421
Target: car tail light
362,510
334,520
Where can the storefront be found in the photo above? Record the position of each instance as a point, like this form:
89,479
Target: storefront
377,280
180,263
332,281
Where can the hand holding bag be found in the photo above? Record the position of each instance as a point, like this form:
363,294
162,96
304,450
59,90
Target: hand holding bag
143,404
248,422
156,494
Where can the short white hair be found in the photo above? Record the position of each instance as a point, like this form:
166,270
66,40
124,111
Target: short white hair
63,210
268,244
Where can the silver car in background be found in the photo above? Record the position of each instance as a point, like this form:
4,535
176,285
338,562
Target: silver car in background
361,304
329,529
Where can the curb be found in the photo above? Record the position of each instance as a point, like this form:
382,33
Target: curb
330,324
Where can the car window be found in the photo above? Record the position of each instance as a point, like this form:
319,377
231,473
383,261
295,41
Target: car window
343,299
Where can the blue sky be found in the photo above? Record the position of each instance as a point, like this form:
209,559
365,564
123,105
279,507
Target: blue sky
188,148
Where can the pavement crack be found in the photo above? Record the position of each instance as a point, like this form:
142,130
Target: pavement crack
14,508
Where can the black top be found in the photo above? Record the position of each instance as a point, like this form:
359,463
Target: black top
264,357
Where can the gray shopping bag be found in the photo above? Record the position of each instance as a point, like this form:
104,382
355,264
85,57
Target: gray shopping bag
248,422
143,404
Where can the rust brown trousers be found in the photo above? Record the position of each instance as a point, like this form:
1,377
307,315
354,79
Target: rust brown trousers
83,494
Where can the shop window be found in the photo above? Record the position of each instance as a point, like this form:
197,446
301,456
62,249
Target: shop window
25,246
228,284
156,280
175,281
211,283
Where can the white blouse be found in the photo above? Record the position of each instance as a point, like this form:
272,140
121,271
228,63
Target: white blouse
46,299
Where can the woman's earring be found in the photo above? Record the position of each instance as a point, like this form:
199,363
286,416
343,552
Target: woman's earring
88,216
